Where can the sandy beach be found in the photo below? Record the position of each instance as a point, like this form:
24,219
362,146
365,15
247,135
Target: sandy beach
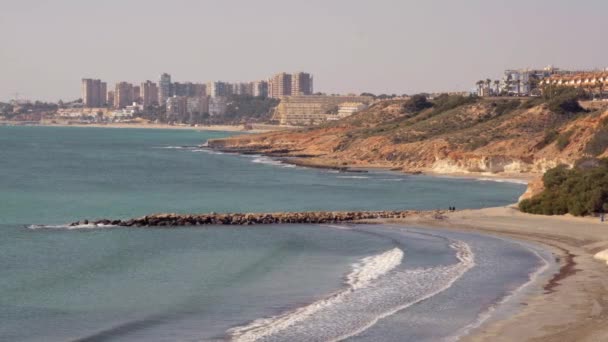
572,304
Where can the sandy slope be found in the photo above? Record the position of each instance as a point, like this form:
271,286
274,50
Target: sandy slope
574,303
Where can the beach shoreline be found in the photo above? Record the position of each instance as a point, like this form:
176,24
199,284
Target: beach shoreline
140,125
570,305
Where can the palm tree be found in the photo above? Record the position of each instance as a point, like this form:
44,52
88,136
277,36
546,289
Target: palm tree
479,87
497,86
508,84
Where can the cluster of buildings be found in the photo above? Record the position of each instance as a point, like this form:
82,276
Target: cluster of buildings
529,82
185,102
594,83
311,110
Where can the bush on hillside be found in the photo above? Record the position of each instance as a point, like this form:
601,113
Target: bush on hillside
564,100
563,140
579,191
548,138
445,102
599,142
416,104
504,107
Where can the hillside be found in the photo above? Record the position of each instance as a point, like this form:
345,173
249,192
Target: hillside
450,134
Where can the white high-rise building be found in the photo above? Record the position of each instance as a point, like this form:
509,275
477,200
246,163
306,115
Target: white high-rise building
164,88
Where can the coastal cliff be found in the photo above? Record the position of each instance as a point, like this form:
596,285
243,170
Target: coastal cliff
455,136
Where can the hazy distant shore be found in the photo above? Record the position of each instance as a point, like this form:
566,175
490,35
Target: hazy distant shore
225,128
572,304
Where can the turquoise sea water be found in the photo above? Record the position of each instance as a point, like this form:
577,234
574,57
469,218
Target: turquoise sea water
192,284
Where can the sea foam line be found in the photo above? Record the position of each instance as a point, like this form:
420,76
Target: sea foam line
269,161
363,273
370,297
69,227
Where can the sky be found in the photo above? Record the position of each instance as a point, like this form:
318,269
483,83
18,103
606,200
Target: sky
380,46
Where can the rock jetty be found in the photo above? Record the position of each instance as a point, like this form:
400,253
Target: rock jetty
314,217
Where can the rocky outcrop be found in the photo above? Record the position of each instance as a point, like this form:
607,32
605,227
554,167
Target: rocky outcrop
314,217
472,138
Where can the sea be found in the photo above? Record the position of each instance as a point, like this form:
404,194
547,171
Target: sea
225,283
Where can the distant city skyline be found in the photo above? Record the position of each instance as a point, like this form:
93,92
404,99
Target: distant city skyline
385,46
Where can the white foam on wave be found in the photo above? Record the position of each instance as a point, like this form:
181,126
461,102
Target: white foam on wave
363,272
269,161
208,151
177,147
353,177
337,227
373,267
375,290
502,180
70,227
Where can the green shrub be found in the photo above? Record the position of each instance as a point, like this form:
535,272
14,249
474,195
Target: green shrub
564,100
579,191
445,102
416,104
563,140
504,107
549,137
599,142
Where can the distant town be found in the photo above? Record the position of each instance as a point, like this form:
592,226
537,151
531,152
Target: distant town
284,99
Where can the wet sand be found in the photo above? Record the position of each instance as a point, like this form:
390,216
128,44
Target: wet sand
572,305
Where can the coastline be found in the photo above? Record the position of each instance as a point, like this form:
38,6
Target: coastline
223,128
320,163
569,306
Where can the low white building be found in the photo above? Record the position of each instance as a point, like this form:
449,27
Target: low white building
350,108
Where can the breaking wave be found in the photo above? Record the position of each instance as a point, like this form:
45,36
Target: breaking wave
353,177
503,180
375,289
70,227
178,147
270,161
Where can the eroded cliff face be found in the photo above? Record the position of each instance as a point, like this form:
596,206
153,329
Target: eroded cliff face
474,138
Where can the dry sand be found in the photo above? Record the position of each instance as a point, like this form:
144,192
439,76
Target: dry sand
573,304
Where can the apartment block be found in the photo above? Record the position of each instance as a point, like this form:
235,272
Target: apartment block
164,88
93,93
149,94
123,95
279,85
110,98
259,88
219,89
177,108
197,105
217,106
301,84
315,109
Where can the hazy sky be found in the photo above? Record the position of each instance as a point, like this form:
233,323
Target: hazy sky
381,46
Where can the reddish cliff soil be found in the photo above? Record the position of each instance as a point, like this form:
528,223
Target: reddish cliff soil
505,137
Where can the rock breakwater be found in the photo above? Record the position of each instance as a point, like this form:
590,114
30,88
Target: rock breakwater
313,217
